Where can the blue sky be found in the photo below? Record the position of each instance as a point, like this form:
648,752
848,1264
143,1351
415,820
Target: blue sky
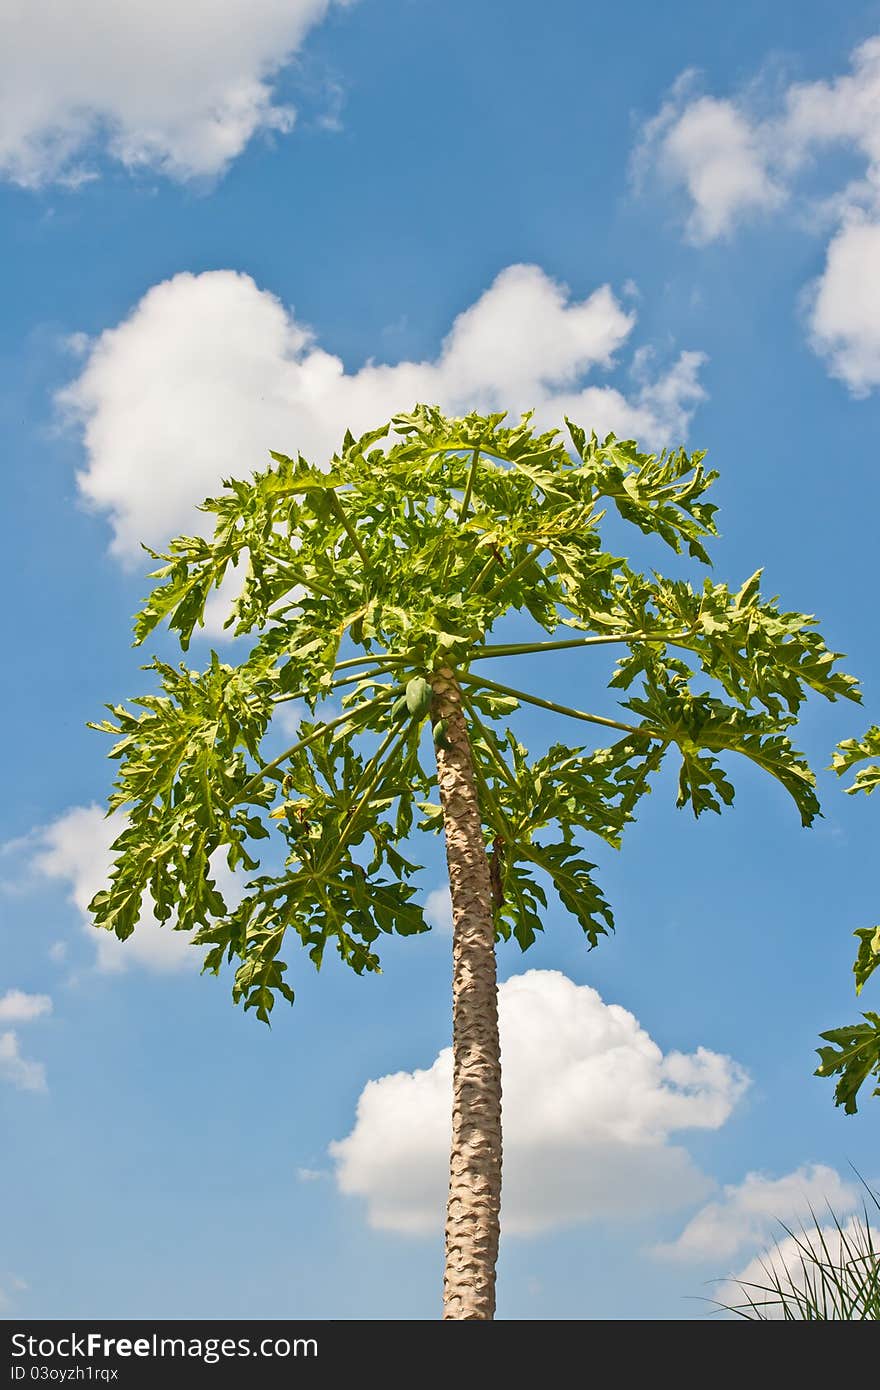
191,276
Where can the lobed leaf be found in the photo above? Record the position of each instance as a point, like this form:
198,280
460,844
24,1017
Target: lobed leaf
853,1057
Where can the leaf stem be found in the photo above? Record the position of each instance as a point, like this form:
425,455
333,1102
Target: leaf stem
351,532
503,826
310,738
557,709
478,579
364,788
468,492
344,680
389,658
525,648
485,739
512,574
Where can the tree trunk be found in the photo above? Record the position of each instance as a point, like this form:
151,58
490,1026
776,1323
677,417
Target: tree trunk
475,1161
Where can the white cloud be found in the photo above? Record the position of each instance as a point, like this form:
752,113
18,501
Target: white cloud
710,148
18,1007
178,88
844,314
748,1214
658,413
289,715
845,110
732,162
219,604
18,1070
75,849
209,372
438,908
590,1102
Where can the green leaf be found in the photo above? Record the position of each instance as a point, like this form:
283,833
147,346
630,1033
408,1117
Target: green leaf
854,1056
853,751
702,783
701,725
869,955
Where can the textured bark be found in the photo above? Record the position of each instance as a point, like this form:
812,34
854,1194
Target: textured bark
475,1161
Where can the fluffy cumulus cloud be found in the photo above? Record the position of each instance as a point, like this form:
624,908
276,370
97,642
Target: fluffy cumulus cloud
18,1007
209,372
75,850
732,163
179,88
590,1105
844,305
748,1214
844,110
709,147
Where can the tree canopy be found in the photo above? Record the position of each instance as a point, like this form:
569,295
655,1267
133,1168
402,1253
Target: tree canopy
408,549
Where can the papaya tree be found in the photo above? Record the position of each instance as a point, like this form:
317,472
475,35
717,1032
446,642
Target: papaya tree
853,1054
371,590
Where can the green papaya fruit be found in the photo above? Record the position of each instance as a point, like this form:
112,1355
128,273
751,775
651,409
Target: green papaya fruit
440,739
418,697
